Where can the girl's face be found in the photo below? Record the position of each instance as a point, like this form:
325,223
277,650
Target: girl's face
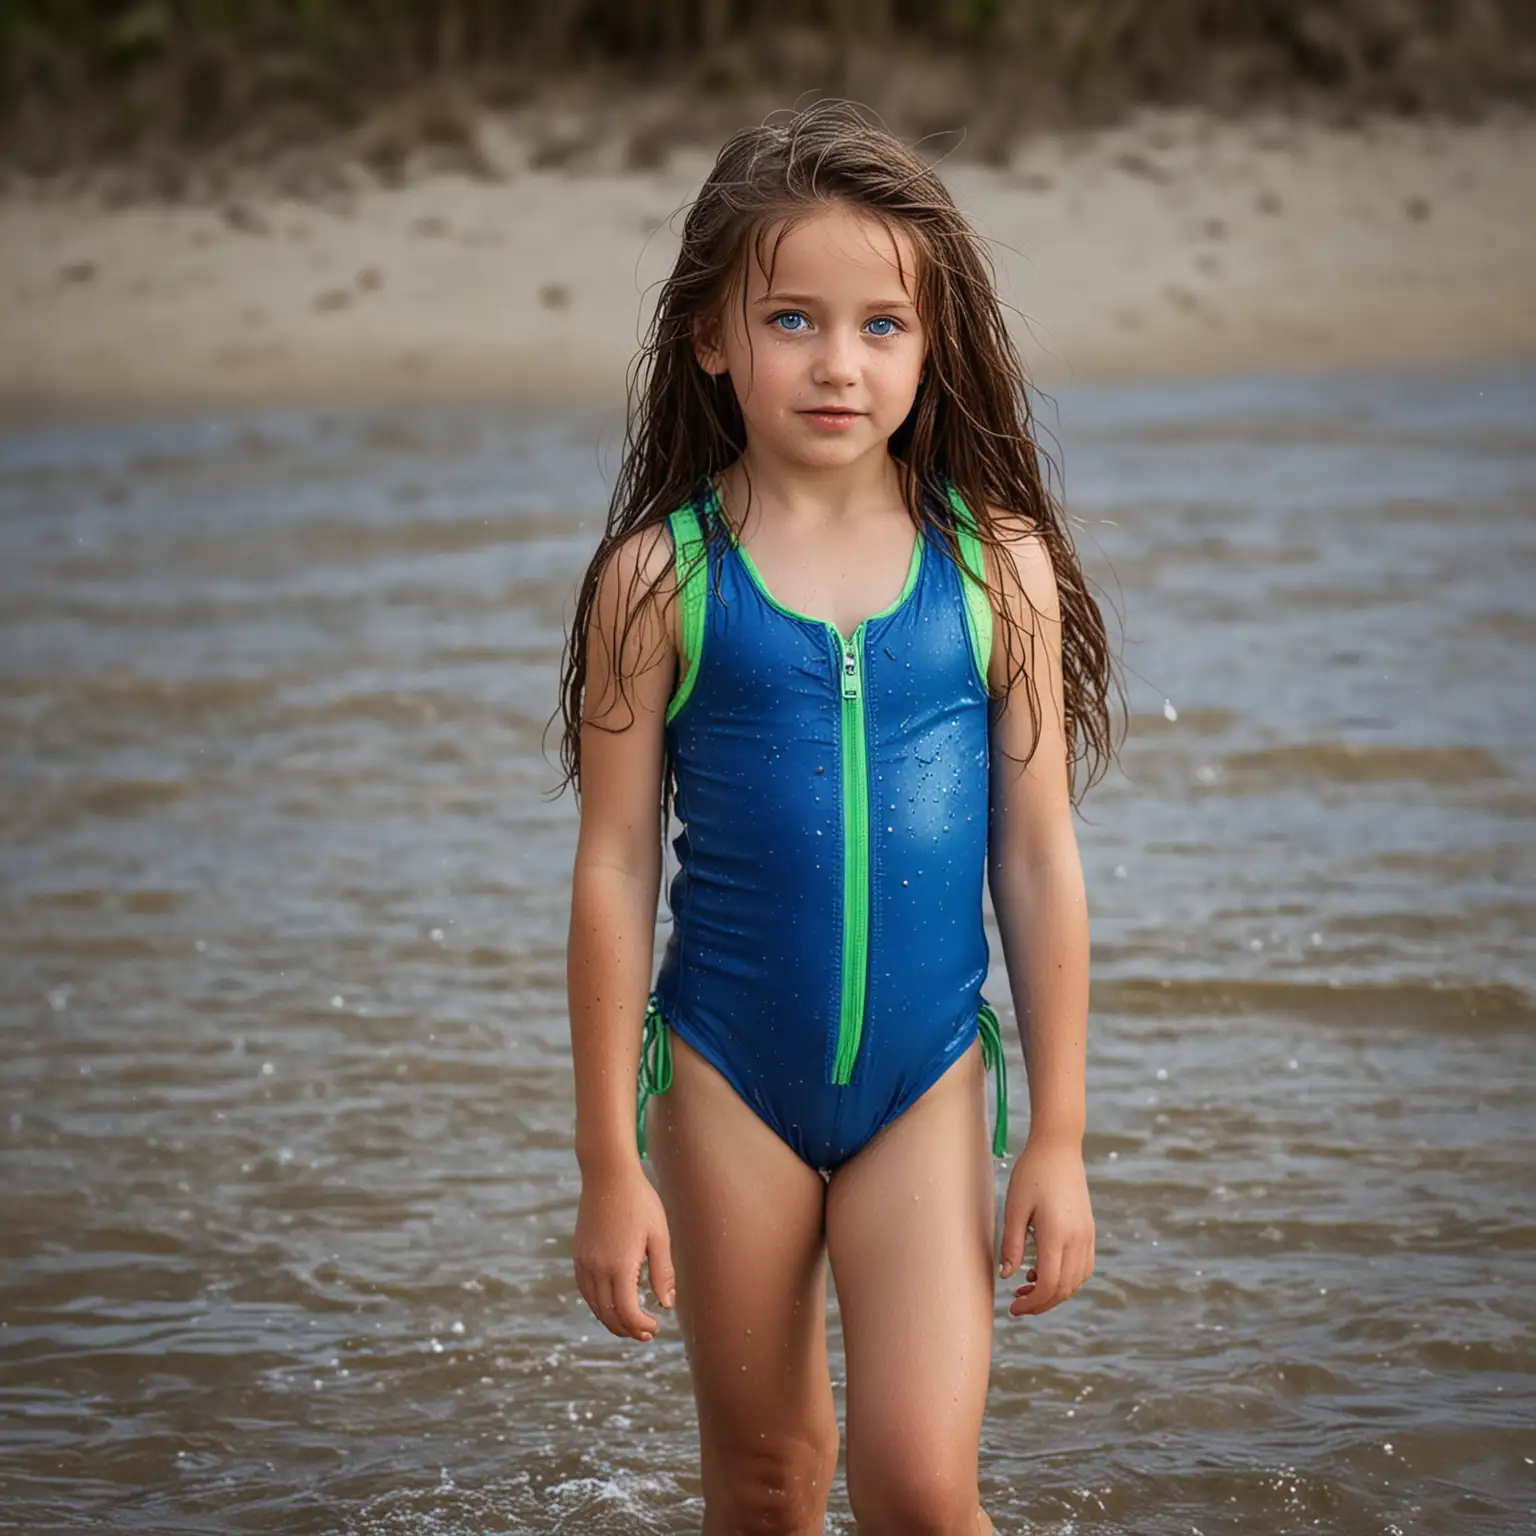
825,359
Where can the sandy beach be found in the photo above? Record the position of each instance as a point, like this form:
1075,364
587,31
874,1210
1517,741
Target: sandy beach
1176,244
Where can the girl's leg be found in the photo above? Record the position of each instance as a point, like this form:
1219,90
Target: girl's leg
910,1230
746,1221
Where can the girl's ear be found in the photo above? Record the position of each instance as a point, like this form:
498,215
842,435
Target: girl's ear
706,344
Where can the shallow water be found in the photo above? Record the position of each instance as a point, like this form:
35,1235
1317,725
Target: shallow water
286,1191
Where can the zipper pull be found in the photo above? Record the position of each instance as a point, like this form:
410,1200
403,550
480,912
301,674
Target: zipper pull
850,670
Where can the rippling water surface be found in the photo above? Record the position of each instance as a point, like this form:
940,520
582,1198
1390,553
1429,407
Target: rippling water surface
286,1189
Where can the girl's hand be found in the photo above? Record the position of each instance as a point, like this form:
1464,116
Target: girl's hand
1048,1190
618,1223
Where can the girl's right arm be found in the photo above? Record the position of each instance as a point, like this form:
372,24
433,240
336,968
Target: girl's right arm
614,888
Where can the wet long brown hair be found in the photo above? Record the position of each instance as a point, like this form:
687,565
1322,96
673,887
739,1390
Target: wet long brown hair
970,424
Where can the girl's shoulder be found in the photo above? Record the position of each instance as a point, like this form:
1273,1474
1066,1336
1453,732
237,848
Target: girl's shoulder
639,578
647,551
1020,550
1021,581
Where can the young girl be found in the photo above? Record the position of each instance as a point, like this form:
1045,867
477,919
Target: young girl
837,625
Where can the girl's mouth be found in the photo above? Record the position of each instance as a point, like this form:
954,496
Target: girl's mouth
833,417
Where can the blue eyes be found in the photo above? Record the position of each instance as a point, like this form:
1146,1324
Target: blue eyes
893,326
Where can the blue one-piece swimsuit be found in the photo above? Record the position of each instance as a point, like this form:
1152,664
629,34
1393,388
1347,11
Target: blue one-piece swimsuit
827,952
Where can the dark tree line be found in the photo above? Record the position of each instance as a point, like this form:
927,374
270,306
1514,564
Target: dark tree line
97,77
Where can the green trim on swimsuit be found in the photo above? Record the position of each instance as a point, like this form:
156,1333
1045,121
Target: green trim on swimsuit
914,569
691,565
978,602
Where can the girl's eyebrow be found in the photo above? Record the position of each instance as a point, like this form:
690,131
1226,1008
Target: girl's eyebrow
808,298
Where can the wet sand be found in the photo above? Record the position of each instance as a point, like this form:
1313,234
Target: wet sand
1175,246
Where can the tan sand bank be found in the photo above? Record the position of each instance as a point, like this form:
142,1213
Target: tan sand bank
1171,246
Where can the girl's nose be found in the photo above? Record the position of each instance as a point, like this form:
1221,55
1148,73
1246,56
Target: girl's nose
837,362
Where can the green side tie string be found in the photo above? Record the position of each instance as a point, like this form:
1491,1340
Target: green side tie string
655,1064
992,1059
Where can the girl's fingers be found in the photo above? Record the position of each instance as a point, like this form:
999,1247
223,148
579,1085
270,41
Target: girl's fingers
626,1316
615,1303
603,1308
638,1323
663,1277
609,1309
1050,1266
586,1283
1031,1304
1015,1235
1044,1291
1032,1300
1071,1275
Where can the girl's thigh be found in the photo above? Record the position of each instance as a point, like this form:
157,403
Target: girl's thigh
746,1220
910,1231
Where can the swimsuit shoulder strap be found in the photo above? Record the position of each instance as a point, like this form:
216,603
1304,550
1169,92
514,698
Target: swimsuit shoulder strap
691,564
978,604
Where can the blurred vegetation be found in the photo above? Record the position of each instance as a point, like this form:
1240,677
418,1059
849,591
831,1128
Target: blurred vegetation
88,81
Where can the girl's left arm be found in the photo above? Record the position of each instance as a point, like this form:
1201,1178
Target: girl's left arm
1036,879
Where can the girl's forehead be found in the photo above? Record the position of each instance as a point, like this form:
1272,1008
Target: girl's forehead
833,250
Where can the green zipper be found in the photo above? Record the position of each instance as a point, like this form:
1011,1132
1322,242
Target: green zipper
850,1024
855,765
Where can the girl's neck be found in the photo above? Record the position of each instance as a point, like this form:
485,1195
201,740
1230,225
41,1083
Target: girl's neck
873,482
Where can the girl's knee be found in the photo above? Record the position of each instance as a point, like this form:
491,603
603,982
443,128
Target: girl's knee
777,1487
915,1495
